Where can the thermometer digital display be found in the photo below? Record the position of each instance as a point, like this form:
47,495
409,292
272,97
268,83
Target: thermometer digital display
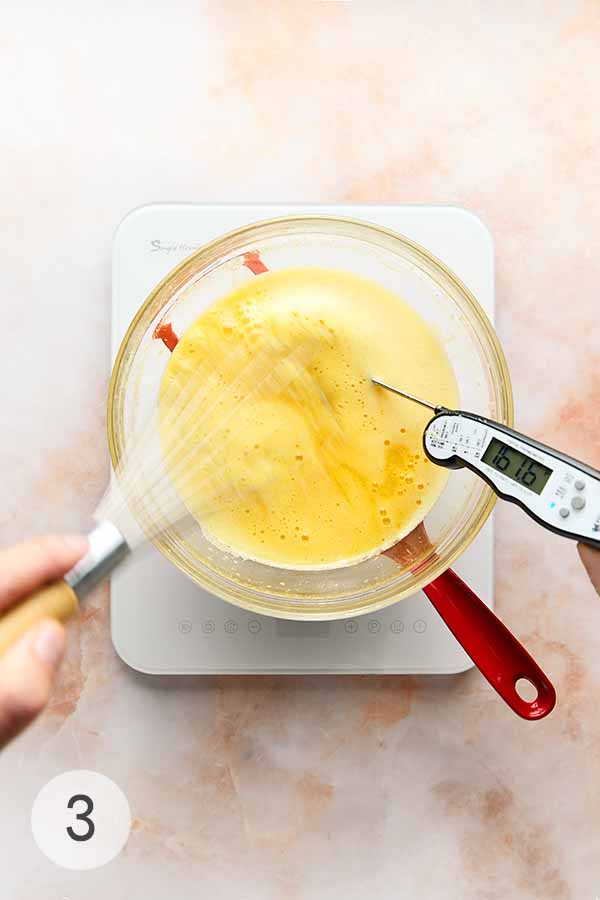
516,465
563,496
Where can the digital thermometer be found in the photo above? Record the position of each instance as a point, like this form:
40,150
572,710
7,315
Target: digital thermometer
557,491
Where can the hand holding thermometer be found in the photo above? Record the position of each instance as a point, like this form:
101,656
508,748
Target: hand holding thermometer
555,490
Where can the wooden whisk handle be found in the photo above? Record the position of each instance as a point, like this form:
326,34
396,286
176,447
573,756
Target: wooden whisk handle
60,600
55,601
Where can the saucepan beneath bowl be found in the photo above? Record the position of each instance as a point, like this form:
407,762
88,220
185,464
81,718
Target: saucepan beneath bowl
476,358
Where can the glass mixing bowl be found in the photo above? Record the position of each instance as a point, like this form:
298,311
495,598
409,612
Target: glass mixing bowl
422,281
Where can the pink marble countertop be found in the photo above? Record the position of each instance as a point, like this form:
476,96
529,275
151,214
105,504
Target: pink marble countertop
306,788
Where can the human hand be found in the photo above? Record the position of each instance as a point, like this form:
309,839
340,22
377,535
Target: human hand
591,560
28,668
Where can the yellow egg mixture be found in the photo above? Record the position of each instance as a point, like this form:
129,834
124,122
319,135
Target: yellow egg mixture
275,436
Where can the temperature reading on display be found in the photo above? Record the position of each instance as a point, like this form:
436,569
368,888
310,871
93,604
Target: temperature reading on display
516,465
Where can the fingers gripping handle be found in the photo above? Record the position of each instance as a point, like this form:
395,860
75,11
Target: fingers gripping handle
55,601
60,600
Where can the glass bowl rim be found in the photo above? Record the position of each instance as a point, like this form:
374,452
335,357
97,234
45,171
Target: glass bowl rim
237,594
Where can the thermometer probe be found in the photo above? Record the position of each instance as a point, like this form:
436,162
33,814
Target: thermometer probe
555,490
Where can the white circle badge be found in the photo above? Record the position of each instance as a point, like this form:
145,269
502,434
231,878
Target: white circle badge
81,820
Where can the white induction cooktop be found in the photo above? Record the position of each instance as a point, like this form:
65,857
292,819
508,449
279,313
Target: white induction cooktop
162,623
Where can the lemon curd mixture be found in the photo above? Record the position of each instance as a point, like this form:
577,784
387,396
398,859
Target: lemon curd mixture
275,436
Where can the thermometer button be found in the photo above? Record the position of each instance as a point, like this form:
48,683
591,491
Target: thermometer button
578,502
579,485
564,512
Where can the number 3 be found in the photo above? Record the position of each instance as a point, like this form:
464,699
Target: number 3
83,817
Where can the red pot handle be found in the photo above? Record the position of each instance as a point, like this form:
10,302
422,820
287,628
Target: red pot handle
495,651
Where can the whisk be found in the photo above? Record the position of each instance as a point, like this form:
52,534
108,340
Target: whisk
158,481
